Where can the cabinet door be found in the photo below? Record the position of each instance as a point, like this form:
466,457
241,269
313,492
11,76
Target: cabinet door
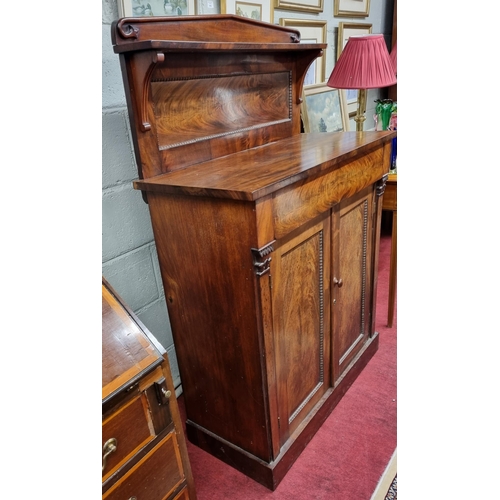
300,270
351,278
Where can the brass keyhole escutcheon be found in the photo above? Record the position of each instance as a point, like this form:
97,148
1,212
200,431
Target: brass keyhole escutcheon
108,448
337,282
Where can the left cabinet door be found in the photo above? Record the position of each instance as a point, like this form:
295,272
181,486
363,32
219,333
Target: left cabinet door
300,270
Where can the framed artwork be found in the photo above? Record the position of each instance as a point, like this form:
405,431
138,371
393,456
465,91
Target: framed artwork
351,8
141,8
300,5
262,8
207,7
347,30
311,32
250,10
323,109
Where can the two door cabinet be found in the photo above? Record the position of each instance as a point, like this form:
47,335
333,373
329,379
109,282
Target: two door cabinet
267,238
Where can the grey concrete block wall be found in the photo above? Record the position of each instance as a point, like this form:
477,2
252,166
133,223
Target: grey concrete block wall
129,259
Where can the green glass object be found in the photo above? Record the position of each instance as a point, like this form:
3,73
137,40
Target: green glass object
384,110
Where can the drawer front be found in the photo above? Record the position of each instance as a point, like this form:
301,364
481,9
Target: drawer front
183,495
130,426
295,205
155,477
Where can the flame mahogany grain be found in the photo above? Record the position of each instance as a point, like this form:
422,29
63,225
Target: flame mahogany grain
267,238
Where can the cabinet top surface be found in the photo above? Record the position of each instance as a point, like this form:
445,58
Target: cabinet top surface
127,353
257,172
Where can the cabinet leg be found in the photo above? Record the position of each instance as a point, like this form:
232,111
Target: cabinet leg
393,268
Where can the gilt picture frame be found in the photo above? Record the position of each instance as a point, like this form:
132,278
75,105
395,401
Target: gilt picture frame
155,8
351,8
323,109
346,30
247,9
313,6
311,32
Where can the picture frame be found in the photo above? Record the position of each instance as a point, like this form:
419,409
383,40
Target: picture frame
351,8
314,6
346,30
141,8
265,7
249,10
207,7
311,32
323,109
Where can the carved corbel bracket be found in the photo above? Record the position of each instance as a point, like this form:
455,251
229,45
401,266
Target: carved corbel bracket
300,98
260,260
143,71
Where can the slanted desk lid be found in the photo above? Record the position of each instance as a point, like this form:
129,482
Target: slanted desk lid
127,352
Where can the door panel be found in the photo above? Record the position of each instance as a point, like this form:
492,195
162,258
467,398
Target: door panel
300,273
352,222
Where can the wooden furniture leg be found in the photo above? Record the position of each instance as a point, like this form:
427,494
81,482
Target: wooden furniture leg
393,269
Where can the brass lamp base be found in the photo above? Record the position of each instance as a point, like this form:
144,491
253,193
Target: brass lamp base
360,113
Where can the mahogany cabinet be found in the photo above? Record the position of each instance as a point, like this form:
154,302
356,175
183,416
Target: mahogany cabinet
144,453
267,238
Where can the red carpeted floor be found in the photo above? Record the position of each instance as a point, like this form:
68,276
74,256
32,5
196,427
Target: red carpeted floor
349,453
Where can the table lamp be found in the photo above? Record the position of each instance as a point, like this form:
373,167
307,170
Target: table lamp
363,64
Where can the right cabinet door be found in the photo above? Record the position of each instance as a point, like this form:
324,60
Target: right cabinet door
352,262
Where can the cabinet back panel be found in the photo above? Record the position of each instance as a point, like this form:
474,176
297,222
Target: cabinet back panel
218,106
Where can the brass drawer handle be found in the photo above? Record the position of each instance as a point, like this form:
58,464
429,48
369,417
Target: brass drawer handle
108,448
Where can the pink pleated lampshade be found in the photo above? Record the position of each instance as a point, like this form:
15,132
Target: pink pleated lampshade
363,64
394,57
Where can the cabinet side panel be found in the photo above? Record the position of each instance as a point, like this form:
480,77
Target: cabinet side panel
207,270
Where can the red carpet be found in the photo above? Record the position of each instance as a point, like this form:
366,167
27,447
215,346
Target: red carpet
349,453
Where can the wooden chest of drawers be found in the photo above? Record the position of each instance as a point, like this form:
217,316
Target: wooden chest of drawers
144,449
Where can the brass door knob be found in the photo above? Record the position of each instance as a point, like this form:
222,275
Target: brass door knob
337,282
